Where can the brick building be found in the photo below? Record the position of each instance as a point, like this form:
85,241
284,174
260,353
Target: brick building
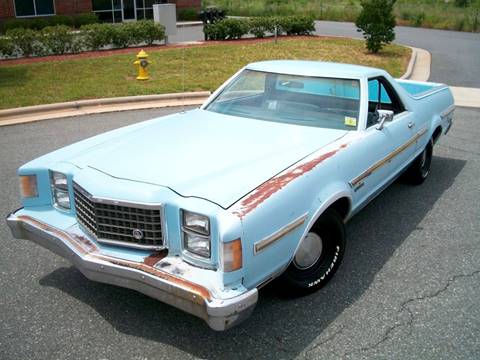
107,10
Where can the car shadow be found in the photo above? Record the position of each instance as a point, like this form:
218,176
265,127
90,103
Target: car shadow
285,326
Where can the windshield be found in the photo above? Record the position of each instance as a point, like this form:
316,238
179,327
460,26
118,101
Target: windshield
302,100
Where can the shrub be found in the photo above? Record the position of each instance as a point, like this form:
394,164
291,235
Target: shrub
235,28
84,19
146,31
377,22
96,36
6,47
187,14
297,25
58,39
462,3
60,20
39,23
260,26
226,29
26,40
15,24
212,14
122,35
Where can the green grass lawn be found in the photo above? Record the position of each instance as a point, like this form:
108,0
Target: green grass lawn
205,68
439,14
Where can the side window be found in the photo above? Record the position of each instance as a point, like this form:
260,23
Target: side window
382,96
374,95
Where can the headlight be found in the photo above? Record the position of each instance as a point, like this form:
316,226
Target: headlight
61,197
197,244
196,222
196,233
28,186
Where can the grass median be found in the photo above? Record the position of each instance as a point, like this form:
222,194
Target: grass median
174,70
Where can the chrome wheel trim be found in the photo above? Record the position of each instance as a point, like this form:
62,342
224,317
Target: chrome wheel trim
309,251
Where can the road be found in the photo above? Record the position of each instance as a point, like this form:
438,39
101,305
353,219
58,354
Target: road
409,286
455,55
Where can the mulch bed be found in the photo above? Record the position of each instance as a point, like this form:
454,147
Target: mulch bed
154,48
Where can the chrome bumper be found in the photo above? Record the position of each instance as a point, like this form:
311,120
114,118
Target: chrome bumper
185,295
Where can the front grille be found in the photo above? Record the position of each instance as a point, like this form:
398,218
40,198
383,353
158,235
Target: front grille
117,223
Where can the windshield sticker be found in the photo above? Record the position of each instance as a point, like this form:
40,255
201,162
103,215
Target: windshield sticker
350,121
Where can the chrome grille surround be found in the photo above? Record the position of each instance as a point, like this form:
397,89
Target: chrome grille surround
114,221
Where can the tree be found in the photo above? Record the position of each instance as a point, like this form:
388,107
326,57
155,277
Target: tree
377,22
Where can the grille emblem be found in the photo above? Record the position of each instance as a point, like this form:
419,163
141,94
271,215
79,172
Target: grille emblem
137,234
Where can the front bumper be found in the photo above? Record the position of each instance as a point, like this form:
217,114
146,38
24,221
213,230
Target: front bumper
220,314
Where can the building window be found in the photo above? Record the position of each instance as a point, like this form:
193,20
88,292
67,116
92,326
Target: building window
144,9
26,8
114,11
108,10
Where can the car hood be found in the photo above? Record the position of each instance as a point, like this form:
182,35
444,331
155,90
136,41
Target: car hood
204,154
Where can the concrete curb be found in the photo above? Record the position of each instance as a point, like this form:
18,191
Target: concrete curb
183,24
423,63
94,106
411,64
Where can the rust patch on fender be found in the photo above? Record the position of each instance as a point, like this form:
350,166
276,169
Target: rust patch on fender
154,258
270,187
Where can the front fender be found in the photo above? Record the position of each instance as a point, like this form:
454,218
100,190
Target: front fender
326,197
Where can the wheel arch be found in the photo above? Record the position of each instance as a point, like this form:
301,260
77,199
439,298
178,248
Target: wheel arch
436,133
341,201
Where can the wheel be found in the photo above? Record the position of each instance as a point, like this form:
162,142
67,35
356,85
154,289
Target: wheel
419,170
318,255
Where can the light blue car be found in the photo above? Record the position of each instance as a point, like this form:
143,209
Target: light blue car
201,209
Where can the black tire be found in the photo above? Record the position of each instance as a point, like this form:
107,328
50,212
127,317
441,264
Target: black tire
419,169
330,228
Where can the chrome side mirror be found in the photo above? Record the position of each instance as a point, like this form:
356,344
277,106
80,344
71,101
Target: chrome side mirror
383,116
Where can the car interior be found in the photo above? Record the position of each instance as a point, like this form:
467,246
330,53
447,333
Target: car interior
381,96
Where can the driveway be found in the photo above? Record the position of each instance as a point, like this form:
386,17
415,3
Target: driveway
455,55
409,286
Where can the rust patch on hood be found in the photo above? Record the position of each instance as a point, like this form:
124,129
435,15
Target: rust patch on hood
270,187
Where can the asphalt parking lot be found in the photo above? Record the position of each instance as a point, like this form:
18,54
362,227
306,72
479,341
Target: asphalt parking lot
409,286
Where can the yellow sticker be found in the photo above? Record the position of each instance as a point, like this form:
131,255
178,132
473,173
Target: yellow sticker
350,121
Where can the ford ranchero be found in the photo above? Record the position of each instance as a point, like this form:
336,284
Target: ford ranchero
202,208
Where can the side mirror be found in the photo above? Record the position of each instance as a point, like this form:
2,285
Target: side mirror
383,116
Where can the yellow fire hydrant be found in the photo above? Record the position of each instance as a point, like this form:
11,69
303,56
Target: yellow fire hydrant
142,62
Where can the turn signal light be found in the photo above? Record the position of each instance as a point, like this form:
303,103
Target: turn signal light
28,186
232,255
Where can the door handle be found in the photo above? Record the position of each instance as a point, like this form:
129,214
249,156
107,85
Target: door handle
411,125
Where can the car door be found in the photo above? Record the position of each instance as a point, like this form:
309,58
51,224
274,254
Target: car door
384,152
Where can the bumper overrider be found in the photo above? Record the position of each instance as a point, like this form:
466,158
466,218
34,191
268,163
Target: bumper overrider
220,314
